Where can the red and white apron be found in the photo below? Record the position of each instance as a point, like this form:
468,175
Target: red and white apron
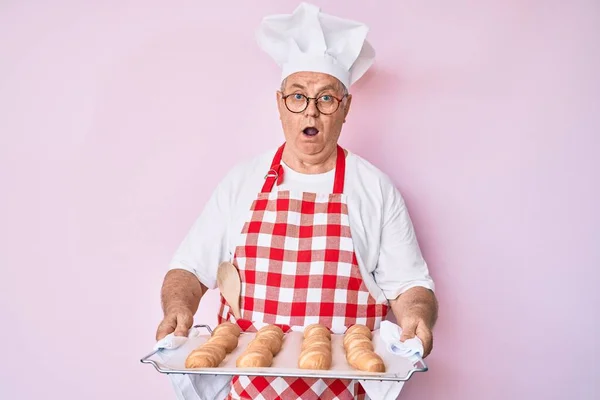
297,266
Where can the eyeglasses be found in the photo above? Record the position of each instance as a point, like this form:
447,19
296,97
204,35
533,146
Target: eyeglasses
326,104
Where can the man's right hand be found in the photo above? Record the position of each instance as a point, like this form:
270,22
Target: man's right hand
178,320
180,297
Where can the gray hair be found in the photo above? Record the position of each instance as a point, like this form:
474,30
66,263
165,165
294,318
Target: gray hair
342,87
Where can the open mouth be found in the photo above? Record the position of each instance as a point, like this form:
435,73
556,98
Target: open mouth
310,131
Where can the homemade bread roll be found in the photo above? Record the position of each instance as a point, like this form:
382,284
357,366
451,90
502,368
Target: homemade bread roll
261,350
225,339
359,350
254,358
357,339
321,349
227,327
215,348
270,334
315,340
316,348
271,328
367,360
354,352
363,329
201,359
315,358
271,337
317,329
205,356
272,344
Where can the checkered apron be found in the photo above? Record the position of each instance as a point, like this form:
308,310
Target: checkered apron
297,266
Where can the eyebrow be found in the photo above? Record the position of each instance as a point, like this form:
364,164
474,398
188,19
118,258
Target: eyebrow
326,87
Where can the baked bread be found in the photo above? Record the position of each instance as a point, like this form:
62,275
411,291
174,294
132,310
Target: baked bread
316,348
254,358
271,328
205,356
218,350
201,358
316,340
359,350
315,358
261,350
270,343
210,354
317,329
363,329
357,340
366,360
226,340
228,327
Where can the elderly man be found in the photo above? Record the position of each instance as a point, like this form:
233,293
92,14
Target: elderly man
317,233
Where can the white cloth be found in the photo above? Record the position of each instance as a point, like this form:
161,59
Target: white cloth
310,40
171,342
410,348
200,387
385,244
384,390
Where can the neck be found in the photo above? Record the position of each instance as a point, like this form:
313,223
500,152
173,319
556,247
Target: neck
310,164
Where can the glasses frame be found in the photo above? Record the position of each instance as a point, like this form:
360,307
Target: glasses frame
308,99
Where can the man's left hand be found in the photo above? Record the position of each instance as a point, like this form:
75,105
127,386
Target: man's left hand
413,325
416,313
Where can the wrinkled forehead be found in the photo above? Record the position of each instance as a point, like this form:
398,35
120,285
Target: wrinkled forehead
313,82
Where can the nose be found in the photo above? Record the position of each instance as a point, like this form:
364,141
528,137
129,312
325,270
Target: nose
311,109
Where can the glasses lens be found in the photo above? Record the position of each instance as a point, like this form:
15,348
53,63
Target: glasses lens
296,102
327,104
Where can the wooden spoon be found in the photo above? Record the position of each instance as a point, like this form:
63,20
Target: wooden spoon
228,280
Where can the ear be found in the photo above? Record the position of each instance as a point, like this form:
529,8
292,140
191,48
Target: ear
279,99
347,106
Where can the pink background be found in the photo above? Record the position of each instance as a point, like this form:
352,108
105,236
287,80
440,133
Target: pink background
117,118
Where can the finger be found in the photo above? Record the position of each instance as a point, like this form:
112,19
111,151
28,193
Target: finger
184,323
424,333
166,326
409,326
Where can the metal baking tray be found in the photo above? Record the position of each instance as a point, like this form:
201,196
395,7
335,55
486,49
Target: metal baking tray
398,368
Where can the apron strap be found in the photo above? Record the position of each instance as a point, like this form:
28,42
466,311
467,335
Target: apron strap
275,173
340,171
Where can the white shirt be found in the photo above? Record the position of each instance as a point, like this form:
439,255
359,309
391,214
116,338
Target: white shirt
386,248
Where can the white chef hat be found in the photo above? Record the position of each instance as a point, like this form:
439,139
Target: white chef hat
309,40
